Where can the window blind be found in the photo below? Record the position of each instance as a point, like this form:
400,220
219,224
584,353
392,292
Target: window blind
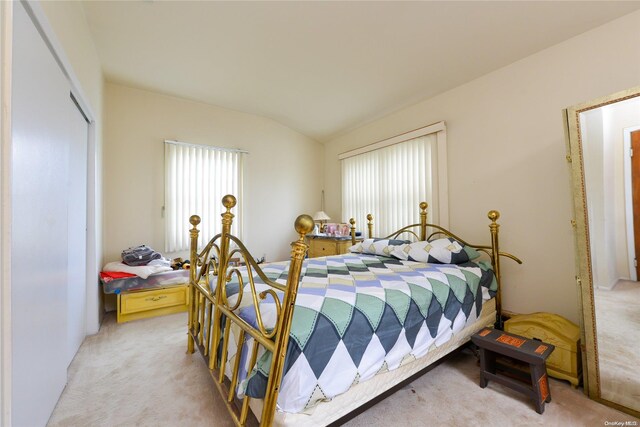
390,183
196,179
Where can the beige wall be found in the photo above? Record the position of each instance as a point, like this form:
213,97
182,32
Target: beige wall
72,30
507,152
282,179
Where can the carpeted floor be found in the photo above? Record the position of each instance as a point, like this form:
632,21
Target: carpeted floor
618,326
137,374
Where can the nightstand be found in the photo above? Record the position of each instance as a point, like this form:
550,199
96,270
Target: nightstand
328,245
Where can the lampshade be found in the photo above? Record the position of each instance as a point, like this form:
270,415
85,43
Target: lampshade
320,216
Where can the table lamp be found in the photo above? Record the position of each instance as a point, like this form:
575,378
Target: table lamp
322,218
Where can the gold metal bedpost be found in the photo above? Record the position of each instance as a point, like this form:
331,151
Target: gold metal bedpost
228,202
353,230
370,225
193,258
303,225
495,261
423,221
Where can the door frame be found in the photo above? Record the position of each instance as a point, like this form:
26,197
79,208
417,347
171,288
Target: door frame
628,201
94,194
6,42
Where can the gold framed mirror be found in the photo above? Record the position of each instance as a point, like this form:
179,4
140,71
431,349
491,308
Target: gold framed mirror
600,136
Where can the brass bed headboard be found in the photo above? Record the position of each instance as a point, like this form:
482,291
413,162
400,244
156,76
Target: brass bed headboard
492,250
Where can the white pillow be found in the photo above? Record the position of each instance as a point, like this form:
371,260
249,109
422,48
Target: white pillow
439,251
382,247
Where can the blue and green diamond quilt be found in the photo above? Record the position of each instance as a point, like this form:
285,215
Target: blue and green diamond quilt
357,315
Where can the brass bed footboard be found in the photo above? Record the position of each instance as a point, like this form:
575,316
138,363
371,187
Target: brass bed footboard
210,307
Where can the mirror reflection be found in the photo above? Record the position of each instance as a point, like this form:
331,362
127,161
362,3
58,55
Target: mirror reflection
611,154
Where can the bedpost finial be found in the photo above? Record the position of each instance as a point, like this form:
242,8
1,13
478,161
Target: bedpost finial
493,215
304,224
229,201
194,220
423,206
369,217
352,221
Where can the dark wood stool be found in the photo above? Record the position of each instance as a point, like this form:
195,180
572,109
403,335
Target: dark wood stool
493,343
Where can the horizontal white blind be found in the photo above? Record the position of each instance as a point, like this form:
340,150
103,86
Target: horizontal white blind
390,183
196,179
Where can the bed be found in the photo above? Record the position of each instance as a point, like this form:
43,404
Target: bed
314,341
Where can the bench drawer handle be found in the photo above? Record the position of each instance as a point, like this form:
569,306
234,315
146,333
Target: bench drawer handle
155,298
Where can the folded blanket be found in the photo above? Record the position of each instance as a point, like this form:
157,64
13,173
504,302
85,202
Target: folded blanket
108,276
142,271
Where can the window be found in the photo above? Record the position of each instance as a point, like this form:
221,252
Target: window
196,179
390,178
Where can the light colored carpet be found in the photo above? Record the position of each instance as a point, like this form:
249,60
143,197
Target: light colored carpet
137,374
618,326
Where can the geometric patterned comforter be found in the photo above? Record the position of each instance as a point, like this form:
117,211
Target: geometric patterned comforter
358,315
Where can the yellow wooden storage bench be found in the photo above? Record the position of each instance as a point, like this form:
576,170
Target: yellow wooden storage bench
566,361
133,305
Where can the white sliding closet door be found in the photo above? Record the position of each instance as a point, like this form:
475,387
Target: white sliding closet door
77,251
39,241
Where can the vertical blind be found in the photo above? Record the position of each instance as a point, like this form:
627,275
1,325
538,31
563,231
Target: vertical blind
196,179
390,183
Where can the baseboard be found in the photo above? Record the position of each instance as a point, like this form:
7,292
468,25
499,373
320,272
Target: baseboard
611,285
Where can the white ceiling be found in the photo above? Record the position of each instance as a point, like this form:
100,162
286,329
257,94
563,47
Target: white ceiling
324,68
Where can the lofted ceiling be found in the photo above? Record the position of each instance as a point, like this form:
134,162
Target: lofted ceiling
323,68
